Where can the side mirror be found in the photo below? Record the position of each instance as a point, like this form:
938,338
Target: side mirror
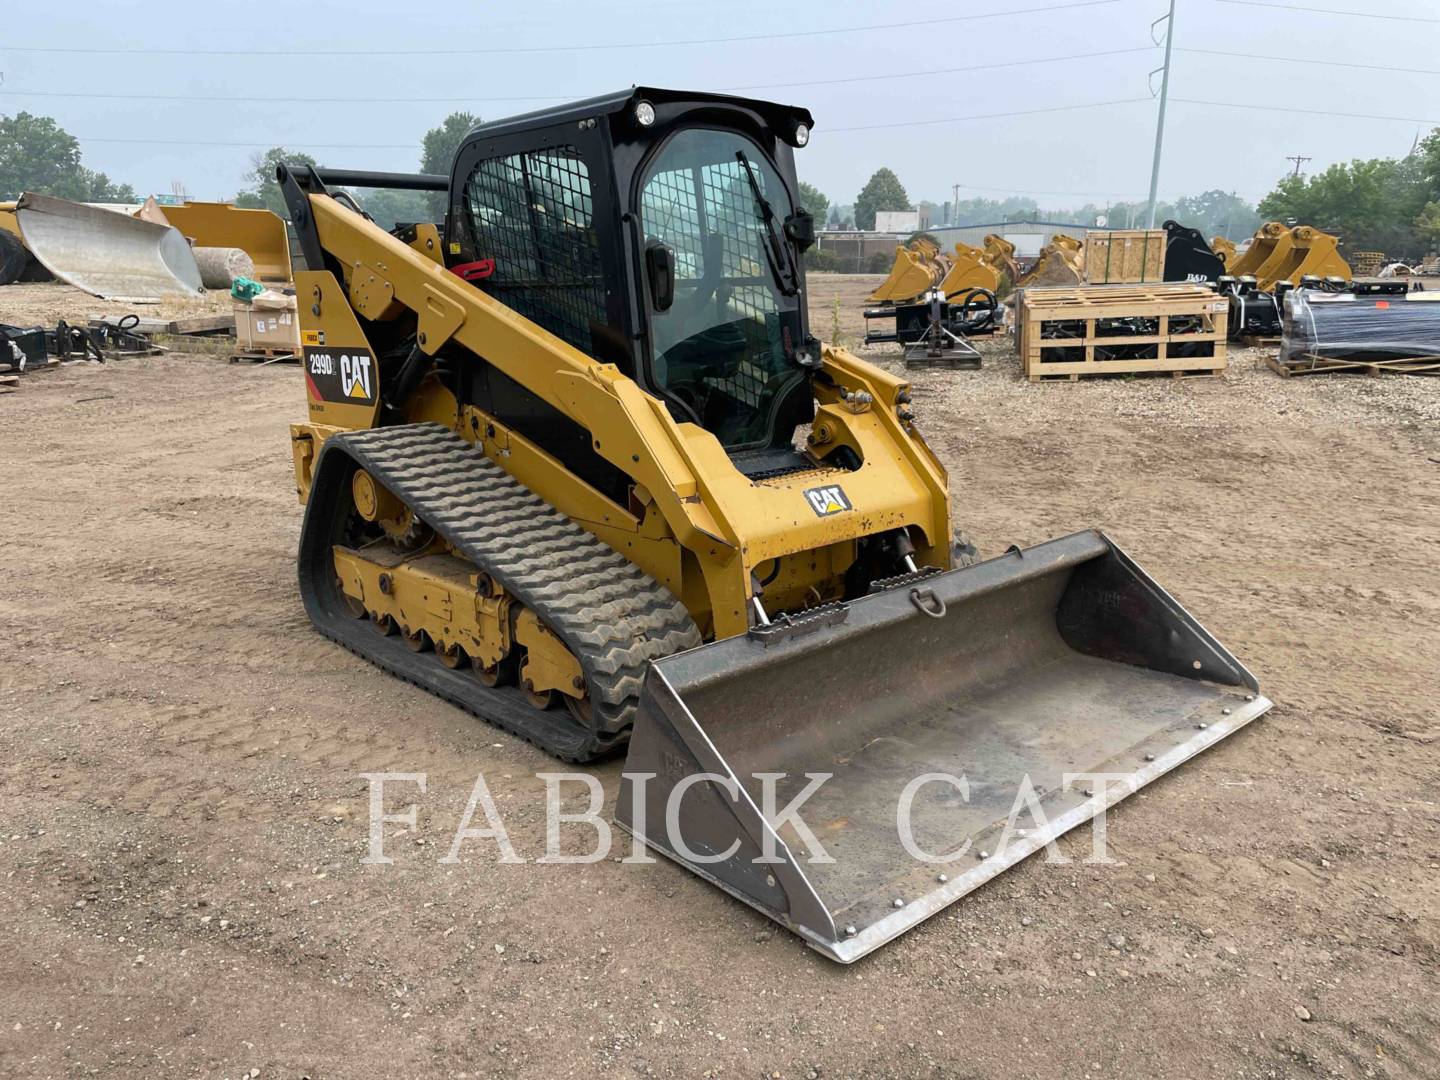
660,269
800,228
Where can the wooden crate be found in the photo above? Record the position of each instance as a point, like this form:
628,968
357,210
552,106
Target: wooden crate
1090,319
1125,256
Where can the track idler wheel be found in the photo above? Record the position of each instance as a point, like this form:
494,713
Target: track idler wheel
539,699
580,709
352,605
453,657
501,673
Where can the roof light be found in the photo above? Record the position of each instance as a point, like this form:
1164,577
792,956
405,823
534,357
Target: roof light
802,134
644,114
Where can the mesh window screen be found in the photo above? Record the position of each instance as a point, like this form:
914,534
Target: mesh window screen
707,211
532,214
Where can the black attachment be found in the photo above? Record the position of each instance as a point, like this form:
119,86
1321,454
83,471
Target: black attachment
800,228
1188,255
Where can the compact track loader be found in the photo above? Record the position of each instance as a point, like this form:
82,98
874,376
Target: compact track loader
575,462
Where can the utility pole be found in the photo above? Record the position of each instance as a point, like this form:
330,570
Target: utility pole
1169,21
954,204
1299,160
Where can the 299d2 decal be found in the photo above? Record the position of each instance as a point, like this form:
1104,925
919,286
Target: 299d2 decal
344,376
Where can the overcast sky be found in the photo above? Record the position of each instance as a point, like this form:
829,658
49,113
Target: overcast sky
279,90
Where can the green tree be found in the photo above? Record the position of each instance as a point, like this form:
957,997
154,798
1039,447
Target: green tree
814,200
1374,204
1217,213
883,192
390,207
437,155
264,193
37,154
991,211
1428,225
438,148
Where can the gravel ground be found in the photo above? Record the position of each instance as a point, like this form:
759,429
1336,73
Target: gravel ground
182,815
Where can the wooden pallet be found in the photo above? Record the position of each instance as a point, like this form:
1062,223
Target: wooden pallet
265,356
1098,308
199,325
1250,341
1310,364
50,363
9,384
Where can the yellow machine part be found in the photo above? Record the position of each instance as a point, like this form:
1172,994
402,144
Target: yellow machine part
1304,252
695,524
1224,250
917,269
970,269
1061,262
7,218
1000,253
259,233
1262,247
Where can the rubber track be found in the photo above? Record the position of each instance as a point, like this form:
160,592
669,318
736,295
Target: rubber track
613,616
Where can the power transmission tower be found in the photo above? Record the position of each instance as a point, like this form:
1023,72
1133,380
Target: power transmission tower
1299,160
1169,21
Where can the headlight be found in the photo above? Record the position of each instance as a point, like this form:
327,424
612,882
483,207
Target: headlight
644,114
802,134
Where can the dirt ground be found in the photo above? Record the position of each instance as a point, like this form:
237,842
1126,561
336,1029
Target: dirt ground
182,816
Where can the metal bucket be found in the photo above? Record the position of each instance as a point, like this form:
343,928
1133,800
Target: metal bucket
109,255
1047,666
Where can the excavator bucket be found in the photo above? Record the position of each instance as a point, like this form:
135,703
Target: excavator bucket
1307,253
1061,262
1262,247
110,255
1000,253
1225,251
258,233
932,735
916,271
969,270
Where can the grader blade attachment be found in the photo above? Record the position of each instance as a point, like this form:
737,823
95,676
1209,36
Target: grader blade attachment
916,722
109,255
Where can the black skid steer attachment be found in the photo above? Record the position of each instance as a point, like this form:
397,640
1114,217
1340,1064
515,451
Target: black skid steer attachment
1055,681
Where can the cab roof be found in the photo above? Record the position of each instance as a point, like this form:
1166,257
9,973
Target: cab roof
780,117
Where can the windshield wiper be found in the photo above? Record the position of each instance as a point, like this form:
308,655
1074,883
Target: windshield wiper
777,252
